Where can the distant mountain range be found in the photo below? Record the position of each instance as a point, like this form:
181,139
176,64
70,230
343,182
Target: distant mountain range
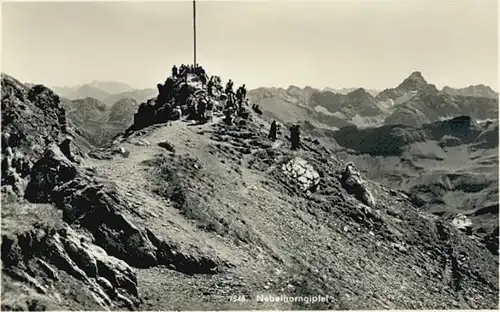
109,105
413,102
108,92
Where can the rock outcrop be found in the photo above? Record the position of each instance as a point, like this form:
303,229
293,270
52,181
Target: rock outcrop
355,184
52,170
37,256
31,119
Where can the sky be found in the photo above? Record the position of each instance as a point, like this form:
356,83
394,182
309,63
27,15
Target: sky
370,44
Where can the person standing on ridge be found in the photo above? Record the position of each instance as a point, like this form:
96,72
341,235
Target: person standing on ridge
272,131
210,85
201,110
229,87
174,72
243,91
295,136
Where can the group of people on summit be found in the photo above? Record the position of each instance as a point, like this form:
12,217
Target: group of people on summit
183,70
200,105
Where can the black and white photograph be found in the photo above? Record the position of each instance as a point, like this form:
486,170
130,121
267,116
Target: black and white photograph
202,155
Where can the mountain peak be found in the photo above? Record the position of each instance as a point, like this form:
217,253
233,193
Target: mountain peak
414,82
416,75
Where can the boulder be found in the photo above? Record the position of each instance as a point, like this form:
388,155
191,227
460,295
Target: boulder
353,183
303,172
168,146
462,223
65,148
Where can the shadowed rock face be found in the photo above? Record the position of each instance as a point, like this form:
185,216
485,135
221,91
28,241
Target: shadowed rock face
392,139
427,108
32,118
182,215
51,170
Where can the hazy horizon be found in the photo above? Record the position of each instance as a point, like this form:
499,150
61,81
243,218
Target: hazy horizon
334,44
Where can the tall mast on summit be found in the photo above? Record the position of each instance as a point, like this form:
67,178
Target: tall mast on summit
194,31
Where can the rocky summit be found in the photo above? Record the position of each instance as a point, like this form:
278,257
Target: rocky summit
186,210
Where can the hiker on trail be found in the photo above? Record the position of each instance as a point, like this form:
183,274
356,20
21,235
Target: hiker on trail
295,136
272,131
227,114
201,111
230,101
210,108
174,71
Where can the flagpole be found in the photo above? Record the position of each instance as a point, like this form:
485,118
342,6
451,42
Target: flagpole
194,30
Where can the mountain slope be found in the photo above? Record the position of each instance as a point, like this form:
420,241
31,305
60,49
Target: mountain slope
122,112
97,122
176,215
86,110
